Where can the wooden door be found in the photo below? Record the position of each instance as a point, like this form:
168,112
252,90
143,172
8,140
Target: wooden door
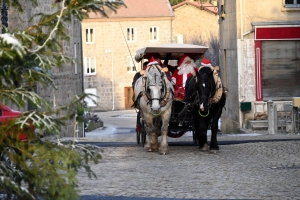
128,92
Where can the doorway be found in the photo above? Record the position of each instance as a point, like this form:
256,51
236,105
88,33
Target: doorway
128,91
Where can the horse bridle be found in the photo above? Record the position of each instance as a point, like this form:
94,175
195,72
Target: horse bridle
150,99
206,97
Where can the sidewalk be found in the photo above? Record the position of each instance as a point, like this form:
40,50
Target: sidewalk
119,126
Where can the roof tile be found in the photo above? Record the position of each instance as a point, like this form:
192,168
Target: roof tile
205,6
141,8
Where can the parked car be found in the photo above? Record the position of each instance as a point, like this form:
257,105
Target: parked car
7,113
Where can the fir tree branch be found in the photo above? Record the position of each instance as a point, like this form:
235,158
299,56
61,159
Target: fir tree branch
54,29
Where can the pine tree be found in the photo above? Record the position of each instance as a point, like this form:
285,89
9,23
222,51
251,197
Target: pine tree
39,168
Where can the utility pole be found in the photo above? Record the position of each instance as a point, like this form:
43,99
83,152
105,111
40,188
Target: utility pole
4,19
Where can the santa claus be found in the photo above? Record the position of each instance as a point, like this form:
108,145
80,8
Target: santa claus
186,68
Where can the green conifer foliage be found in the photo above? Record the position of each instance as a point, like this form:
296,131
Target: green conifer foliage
38,168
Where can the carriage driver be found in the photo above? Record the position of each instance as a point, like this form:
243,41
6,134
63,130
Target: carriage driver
156,59
186,68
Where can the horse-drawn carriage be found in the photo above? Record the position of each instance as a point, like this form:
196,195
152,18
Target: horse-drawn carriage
160,114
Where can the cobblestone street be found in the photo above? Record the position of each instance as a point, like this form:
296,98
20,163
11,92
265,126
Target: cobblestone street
269,169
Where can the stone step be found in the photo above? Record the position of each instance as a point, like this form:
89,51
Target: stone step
257,125
263,125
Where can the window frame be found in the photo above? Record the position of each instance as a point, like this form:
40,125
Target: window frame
152,33
131,63
130,36
87,60
293,5
88,37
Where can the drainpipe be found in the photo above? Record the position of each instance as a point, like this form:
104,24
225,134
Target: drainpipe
112,80
242,63
112,77
81,64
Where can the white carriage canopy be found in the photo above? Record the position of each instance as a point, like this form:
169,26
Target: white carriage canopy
177,50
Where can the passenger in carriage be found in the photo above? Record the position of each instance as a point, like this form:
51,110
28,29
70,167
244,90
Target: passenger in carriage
139,74
153,59
156,59
205,62
186,68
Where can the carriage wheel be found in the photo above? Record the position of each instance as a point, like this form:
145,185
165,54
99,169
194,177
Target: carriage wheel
138,137
175,134
138,128
143,134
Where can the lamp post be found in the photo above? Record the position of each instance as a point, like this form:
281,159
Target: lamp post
4,18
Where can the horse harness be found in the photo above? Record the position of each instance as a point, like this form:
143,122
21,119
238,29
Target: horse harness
218,89
217,93
164,99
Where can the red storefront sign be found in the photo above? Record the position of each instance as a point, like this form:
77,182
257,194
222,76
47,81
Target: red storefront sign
270,33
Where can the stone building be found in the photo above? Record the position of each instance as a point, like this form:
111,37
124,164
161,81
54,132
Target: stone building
195,20
68,78
260,52
110,44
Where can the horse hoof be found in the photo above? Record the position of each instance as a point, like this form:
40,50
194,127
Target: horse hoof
204,148
163,152
213,151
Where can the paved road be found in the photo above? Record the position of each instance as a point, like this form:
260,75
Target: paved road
266,168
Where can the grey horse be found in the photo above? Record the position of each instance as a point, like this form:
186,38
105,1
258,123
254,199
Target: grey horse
154,97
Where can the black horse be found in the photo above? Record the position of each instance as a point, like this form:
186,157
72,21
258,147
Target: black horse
206,108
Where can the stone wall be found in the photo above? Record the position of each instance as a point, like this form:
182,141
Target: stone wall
192,22
68,82
229,67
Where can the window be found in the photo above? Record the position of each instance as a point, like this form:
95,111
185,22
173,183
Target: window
91,102
131,64
90,65
89,33
154,31
131,34
292,3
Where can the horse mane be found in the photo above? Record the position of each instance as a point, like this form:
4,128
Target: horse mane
205,70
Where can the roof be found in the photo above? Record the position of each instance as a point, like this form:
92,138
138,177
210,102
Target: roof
140,8
203,6
272,23
176,49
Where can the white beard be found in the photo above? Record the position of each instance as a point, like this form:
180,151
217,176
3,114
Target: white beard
186,69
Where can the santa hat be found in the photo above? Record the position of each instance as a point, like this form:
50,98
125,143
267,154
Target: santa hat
182,60
205,62
152,61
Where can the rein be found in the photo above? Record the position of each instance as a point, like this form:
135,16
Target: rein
203,115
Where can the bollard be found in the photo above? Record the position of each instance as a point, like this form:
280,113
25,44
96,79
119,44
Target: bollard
271,117
275,119
294,114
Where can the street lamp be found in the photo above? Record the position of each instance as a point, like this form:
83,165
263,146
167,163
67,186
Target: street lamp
4,18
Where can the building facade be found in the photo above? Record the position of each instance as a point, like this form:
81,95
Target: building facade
69,78
110,44
260,57
196,21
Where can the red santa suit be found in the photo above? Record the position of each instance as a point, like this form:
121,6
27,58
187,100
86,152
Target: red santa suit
186,68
